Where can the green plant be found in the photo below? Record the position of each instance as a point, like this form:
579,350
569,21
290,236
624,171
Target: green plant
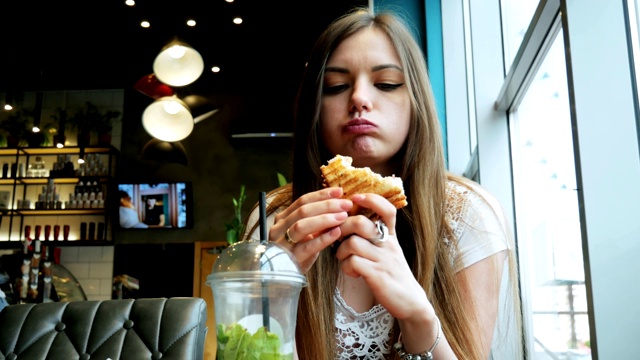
60,115
282,181
48,130
89,117
83,118
105,121
235,228
17,124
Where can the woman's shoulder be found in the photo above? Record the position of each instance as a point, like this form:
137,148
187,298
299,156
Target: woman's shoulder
476,221
462,190
469,203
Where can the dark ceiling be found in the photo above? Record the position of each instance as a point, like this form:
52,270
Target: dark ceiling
99,44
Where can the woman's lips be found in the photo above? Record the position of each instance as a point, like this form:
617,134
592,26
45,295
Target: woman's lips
359,126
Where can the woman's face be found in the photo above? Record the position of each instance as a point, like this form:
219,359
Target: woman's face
365,109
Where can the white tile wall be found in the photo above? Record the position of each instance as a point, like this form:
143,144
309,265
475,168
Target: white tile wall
93,268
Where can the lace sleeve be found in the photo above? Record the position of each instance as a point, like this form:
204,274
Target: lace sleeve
477,225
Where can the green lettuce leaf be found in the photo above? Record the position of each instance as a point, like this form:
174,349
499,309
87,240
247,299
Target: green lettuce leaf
235,343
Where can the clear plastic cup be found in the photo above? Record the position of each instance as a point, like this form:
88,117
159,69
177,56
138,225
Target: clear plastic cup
256,288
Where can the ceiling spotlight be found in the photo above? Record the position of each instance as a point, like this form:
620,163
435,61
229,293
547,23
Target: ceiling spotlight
237,20
178,64
168,119
215,69
37,112
191,22
145,24
81,156
59,141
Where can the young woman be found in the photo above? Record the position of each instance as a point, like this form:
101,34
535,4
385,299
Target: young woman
432,288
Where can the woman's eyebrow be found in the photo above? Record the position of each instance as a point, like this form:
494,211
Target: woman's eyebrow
336,69
386,66
374,69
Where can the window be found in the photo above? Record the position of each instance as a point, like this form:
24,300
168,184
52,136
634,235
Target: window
548,229
572,122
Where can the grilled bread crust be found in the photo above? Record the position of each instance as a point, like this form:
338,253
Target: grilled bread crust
339,173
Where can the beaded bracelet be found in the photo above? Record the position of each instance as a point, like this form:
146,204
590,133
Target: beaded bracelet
399,348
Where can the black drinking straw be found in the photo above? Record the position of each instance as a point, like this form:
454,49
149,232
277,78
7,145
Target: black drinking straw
264,240
263,218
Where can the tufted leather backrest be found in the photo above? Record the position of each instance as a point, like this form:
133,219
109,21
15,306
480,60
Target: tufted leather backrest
158,328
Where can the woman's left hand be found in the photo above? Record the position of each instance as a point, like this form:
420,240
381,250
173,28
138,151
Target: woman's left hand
382,265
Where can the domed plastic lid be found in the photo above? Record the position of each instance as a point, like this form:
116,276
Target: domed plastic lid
252,260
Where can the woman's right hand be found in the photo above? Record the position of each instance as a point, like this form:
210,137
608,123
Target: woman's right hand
311,223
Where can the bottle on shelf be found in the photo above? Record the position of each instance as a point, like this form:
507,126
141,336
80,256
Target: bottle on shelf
35,268
47,273
27,172
39,168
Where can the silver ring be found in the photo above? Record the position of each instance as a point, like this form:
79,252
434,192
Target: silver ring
383,232
289,239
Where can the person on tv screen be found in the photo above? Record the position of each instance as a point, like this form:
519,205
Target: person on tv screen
154,215
128,215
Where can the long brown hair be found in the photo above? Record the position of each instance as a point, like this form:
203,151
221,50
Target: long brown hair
421,226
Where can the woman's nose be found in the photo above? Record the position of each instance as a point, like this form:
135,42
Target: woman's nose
361,99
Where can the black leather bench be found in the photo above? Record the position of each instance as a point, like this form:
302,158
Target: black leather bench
129,329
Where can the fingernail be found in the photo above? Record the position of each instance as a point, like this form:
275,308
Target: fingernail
341,216
346,205
336,192
335,231
358,197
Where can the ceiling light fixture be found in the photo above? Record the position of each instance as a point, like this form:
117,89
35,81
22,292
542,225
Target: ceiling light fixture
7,102
37,114
165,152
200,107
178,64
152,87
168,119
81,156
59,139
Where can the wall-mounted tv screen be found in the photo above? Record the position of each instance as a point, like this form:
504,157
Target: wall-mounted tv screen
167,205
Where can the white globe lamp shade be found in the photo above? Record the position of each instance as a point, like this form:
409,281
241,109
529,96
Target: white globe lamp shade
178,64
168,119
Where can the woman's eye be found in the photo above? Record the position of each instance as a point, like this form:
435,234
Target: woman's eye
388,87
335,89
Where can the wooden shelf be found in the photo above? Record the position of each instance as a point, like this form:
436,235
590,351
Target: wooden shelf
23,187
14,244
54,150
100,211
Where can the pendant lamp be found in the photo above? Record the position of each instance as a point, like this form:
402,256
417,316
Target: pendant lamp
152,87
168,118
165,152
200,106
178,64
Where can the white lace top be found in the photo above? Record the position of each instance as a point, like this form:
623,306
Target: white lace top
479,233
